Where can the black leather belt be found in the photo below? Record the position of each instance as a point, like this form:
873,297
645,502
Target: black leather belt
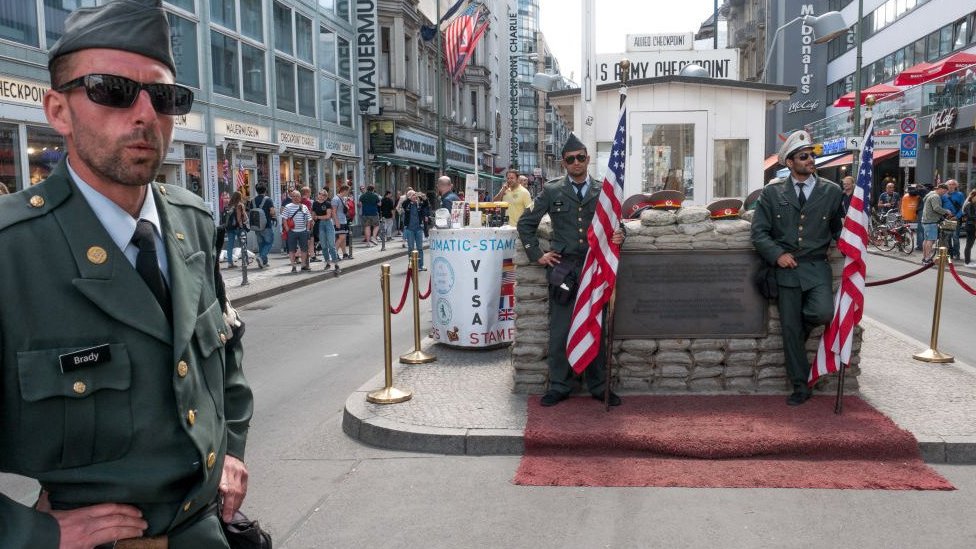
810,258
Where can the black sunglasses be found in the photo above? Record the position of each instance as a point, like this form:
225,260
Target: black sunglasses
581,157
803,156
121,93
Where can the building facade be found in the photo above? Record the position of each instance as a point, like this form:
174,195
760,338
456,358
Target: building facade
273,84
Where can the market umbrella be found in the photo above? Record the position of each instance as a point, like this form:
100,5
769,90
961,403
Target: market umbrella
949,65
879,91
912,75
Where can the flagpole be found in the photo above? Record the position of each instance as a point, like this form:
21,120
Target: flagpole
624,77
839,401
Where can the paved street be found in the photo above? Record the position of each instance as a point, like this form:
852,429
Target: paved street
906,306
313,487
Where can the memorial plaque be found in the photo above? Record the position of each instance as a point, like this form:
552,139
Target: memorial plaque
689,294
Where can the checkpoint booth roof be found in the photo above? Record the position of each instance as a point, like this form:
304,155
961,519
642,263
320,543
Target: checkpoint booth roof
680,131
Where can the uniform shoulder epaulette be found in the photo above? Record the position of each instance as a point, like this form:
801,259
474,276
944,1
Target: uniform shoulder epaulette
178,196
555,182
26,204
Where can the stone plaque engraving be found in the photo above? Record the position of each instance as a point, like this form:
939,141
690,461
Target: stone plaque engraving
689,294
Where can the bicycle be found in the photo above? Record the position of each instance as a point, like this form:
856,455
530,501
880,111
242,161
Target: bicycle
890,231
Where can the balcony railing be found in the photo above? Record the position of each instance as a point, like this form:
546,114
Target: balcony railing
954,90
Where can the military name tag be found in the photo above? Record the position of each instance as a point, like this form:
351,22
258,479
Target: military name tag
85,357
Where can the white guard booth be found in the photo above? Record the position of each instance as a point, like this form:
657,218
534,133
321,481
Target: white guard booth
473,286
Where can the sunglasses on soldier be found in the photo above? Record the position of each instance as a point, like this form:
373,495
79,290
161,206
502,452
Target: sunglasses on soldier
581,157
120,92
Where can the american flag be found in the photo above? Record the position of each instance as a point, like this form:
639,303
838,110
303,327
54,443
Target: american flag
481,25
600,268
835,346
241,181
457,36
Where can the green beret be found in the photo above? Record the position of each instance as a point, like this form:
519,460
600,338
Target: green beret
137,26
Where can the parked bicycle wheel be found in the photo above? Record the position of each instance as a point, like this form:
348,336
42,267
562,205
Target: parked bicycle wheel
883,239
906,241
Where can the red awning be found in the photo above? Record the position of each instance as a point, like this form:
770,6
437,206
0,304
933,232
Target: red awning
771,161
879,155
950,64
840,161
879,91
882,154
912,75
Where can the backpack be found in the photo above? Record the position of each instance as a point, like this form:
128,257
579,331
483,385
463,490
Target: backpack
350,209
257,218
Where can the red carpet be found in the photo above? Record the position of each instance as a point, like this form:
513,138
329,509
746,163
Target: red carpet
720,442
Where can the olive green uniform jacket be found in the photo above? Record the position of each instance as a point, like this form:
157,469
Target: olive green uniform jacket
570,221
151,425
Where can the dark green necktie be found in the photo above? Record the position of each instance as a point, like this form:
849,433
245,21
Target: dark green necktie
801,196
579,190
147,264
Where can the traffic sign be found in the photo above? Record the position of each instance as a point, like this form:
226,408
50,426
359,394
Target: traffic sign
909,146
908,124
887,142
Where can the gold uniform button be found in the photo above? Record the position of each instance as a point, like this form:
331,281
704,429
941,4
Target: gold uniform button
211,460
186,508
803,216
182,368
800,227
191,417
36,201
97,255
581,241
800,239
162,189
79,387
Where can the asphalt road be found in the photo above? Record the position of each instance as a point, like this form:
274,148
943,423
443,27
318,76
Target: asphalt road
313,487
907,306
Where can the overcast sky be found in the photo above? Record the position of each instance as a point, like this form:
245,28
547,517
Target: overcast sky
561,22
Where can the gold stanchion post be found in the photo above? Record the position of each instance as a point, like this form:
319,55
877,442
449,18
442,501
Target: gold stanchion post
388,394
416,356
932,354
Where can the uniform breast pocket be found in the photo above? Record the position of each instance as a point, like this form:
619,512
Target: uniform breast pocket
211,336
75,418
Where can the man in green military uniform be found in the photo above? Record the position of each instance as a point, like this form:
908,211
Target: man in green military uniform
794,223
121,389
570,203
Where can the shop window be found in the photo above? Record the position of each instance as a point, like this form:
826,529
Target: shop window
183,37
282,27
45,148
668,155
255,80
10,172
312,174
731,173
192,155
342,9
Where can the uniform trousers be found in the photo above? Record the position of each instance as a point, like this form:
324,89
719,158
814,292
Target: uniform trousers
560,372
800,311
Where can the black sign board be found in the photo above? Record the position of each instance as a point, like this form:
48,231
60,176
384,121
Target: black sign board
689,294
381,136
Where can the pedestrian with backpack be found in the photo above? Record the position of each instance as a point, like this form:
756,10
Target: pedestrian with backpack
340,208
261,217
234,220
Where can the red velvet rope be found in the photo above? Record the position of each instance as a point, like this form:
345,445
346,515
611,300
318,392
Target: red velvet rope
900,278
967,287
403,298
426,295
